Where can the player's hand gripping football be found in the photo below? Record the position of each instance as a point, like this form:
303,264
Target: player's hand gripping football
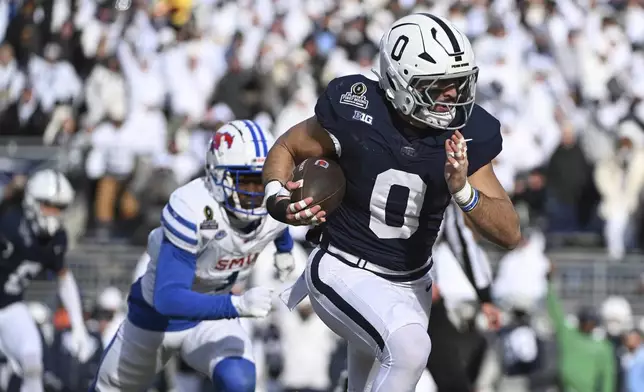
300,212
456,163
256,302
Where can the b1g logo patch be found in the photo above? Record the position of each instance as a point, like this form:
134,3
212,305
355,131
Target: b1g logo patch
356,97
364,117
322,163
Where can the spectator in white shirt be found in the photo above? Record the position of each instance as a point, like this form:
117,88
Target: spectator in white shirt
105,86
54,79
307,344
111,161
12,80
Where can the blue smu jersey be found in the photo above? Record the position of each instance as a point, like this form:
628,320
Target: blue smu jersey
396,191
23,255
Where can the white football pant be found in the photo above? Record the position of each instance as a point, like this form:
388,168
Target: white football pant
21,343
136,355
381,320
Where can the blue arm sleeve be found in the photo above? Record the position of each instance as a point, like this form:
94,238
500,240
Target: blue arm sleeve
173,295
284,243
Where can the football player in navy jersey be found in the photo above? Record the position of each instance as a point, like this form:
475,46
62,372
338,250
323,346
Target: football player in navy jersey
407,143
33,240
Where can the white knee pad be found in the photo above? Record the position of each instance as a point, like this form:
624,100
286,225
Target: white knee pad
408,347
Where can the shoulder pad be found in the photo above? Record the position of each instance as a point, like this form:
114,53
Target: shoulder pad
352,98
485,131
179,222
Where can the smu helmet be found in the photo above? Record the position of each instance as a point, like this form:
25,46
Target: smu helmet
236,154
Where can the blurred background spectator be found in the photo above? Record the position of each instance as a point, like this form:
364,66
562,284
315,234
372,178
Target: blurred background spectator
122,96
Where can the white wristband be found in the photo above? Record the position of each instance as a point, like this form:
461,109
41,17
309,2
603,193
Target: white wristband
273,188
236,301
463,196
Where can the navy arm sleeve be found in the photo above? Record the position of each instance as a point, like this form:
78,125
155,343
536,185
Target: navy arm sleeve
284,243
173,295
57,251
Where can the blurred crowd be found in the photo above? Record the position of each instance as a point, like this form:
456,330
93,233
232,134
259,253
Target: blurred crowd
132,89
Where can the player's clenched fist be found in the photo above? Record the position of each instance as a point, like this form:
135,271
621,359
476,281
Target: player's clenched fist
256,302
456,163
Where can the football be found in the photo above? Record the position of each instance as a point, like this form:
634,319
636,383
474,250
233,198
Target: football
323,180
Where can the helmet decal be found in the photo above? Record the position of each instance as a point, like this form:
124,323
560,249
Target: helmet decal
220,137
234,160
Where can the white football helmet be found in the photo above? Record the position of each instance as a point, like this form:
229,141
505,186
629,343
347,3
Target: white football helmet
47,194
617,315
234,162
422,56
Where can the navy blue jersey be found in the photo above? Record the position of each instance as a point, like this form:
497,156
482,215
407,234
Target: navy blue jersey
23,255
396,191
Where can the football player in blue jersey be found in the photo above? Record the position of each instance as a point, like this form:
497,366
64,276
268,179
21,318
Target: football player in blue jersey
408,144
211,232
32,240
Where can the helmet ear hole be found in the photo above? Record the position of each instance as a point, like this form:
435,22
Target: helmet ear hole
217,181
404,102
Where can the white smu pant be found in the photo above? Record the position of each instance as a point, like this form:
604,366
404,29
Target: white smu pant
381,320
136,355
20,342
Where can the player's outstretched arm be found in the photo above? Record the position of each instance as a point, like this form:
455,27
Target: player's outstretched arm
173,296
67,286
81,342
175,272
70,298
304,140
481,196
